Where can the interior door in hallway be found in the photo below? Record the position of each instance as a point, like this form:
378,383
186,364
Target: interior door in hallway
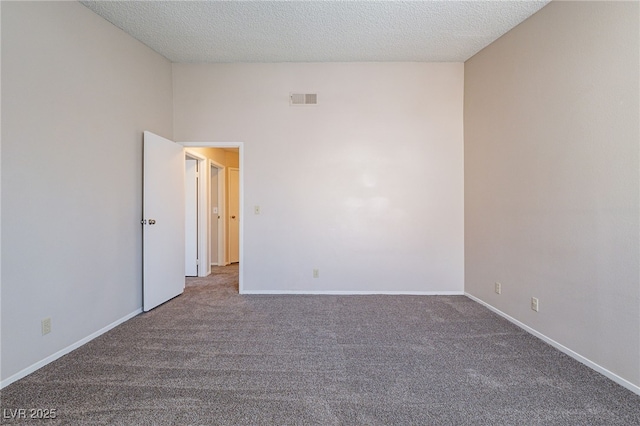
215,249
234,215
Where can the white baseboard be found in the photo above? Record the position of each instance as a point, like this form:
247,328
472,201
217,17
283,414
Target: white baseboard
619,380
23,373
356,293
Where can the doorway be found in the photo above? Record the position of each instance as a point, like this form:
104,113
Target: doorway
163,216
211,172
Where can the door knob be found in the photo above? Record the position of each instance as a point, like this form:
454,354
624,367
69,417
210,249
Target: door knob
233,217
152,221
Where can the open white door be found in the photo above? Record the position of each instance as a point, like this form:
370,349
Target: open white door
163,221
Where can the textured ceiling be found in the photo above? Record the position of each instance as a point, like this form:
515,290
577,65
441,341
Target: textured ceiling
316,31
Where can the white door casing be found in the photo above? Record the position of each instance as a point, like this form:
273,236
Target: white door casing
163,235
234,215
191,218
216,197
203,223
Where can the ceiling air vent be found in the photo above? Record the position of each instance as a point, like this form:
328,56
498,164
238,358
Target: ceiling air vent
303,99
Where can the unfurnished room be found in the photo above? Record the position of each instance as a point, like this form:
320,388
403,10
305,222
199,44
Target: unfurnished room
320,212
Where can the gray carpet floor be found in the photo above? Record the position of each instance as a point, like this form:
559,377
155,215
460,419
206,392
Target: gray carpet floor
212,356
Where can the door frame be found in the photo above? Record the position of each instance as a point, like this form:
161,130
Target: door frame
203,249
192,217
229,169
222,236
240,147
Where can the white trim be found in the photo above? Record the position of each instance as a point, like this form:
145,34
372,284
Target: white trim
358,293
25,372
619,380
240,146
228,235
223,258
221,212
203,228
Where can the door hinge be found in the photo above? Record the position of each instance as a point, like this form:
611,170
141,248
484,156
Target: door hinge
198,262
143,222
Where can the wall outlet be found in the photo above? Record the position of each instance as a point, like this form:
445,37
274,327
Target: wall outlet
46,326
316,273
498,288
534,304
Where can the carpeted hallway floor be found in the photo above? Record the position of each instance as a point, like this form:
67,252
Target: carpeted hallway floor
212,356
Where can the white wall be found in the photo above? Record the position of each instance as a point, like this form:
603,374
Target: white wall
551,178
367,186
77,94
